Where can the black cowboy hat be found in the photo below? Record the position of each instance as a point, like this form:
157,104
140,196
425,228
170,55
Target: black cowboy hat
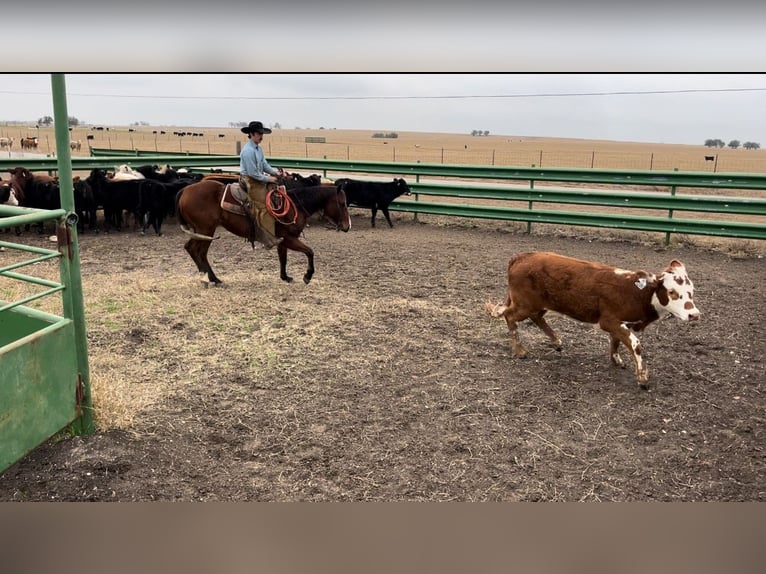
255,127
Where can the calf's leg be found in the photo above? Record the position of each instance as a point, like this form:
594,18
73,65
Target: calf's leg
622,334
510,311
539,320
388,218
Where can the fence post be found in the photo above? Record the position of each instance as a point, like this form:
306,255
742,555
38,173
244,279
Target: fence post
69,263
592,158
541,159
531,187
670,211
417,196
651,162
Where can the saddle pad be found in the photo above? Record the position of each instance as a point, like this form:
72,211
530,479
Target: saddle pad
232,199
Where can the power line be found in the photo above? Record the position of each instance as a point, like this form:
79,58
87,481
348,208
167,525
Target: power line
447,97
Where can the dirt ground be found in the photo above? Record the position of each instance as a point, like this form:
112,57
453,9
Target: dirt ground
384,380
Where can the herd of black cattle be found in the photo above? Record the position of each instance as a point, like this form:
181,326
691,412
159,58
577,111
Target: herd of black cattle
147,194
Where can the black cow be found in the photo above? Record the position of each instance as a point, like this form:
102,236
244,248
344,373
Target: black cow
165,174
145,199
43,192
372,194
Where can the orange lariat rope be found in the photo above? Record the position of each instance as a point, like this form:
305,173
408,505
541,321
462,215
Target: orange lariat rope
279,204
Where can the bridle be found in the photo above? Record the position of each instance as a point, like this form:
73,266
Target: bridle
333,224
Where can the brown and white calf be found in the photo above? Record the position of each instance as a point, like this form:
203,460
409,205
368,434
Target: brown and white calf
620,301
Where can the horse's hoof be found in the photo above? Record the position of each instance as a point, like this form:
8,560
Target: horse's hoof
306,279
287,279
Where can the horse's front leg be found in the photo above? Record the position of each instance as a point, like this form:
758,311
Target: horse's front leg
294,244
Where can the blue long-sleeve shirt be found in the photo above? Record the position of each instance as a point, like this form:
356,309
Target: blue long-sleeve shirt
253,163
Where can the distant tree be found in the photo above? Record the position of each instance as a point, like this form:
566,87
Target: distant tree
73,121
751,145
714,143
486,132
474,132
45,121
734,144
277,126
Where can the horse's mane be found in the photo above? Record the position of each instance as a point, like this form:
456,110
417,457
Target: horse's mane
310,199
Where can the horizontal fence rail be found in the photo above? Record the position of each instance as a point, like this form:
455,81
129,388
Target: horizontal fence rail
11,217
626,191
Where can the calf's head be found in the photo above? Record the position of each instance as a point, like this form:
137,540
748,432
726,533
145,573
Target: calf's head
675,293
401,187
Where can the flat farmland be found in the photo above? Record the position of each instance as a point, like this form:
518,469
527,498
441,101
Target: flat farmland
510,150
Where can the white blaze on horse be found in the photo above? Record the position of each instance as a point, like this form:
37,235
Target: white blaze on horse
623,303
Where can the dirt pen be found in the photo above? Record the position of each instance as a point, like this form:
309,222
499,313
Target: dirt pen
384,379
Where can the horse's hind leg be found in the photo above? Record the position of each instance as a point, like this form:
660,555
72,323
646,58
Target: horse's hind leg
203,248
197,249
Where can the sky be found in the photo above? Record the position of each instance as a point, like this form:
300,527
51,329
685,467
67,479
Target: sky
662,108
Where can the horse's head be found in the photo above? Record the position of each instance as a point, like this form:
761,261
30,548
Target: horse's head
336,208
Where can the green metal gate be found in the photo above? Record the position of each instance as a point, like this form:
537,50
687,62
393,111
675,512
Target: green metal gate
44,375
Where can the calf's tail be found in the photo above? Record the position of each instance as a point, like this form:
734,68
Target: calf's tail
499,310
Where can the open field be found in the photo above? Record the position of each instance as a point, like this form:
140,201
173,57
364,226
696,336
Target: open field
414,147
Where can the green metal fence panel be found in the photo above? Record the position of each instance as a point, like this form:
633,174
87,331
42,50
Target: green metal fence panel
622,196
44,373
40,380
621,221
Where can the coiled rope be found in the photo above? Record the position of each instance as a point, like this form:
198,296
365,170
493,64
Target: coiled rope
279,205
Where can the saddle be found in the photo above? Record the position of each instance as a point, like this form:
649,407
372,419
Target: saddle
233,199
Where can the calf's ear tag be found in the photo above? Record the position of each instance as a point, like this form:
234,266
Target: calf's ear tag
641,283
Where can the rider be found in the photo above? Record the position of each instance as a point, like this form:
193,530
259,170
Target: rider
255,175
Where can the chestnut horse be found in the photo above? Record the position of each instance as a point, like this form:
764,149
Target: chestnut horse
199,211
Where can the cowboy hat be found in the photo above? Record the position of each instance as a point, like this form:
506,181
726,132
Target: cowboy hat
255,127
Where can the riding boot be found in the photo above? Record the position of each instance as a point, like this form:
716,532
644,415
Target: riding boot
266,226
268,239
253,234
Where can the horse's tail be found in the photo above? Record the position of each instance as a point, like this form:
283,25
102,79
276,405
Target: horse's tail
184,224
196,235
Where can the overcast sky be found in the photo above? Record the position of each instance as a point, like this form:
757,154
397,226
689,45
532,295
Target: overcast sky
683,108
